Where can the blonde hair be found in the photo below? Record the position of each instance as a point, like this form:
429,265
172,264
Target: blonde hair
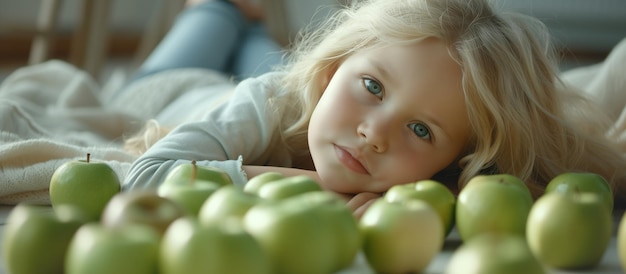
151,133
524,121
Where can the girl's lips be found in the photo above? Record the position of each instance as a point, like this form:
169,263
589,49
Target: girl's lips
349,161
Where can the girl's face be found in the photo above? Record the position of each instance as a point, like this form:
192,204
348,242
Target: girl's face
389,116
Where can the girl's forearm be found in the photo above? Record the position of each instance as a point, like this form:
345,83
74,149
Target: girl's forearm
357,203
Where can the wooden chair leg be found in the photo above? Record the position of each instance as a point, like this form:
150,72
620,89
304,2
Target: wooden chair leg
90,42
46,26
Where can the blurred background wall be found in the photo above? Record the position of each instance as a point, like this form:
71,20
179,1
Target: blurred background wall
127,21
584,29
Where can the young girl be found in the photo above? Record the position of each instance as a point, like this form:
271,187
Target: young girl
393,91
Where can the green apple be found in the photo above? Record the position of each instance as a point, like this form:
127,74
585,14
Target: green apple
401,237
433,192
220,247
190,172
582,182
86,184
569,230
497,203
621,241
307,233
189,197
95,249
189,185
36,238
141,207
255,183
228,201
345,233
492,253
288,187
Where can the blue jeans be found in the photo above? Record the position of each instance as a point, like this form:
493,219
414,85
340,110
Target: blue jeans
215,35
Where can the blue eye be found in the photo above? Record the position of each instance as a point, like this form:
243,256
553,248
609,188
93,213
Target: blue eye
420,130
373,87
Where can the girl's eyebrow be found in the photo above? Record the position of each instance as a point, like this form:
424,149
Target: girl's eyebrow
381,68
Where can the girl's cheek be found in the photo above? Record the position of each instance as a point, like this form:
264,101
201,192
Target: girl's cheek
329,75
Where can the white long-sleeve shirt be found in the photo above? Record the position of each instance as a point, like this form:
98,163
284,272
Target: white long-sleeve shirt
229,128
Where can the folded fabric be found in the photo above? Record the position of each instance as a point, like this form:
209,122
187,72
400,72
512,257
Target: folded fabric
52,113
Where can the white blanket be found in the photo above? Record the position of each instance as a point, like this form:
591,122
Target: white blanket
53,113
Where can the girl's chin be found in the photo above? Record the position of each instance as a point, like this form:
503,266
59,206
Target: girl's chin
340,186
332,183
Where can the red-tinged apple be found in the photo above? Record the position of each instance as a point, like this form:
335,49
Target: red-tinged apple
255,183
220,247
228,201
131,249
492,253
621,241
86,184
141,207
189,172
569,230
497,203
401,237
305,233
36,238
433,192
288,187
582,182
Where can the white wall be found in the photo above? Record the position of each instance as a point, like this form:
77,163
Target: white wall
580,24
303,12
594,25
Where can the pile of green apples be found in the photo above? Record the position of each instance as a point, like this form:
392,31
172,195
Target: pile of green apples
198,221
504,230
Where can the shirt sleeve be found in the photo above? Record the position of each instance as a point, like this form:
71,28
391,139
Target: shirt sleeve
240,129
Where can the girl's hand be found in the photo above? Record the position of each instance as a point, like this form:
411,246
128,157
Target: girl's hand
252,171
360,202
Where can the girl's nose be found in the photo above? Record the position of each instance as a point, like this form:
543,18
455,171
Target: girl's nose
375,135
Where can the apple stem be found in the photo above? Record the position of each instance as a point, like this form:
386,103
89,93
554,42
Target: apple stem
193,173
88,157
